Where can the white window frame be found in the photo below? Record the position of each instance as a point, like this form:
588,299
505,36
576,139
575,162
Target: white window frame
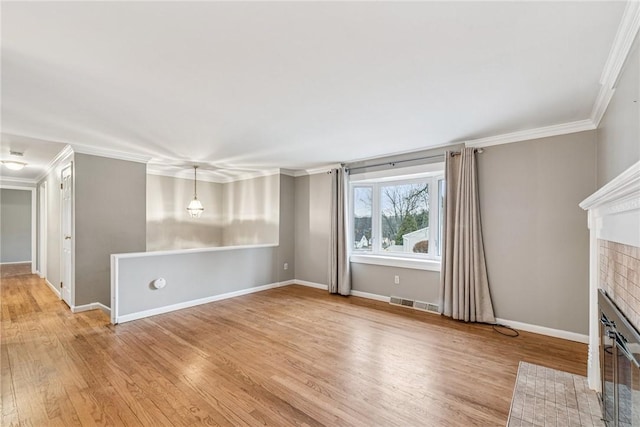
376,255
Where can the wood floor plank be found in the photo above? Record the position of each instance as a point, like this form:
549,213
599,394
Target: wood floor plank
291,356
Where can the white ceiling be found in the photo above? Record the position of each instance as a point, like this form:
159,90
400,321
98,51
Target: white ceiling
260,85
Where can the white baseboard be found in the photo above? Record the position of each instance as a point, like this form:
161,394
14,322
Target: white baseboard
309,284
368,295
193,303
543,330
15,262
53,288
92,306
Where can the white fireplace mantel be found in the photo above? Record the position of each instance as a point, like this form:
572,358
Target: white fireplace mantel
614,215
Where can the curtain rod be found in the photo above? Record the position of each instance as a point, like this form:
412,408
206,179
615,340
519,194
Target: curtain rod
453,153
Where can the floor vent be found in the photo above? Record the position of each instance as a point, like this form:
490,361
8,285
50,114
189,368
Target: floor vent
401,301
418,305
426,306
434,308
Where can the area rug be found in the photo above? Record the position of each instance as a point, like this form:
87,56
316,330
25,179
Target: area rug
547,397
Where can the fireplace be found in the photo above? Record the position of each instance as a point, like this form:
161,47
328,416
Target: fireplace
614,278
619,365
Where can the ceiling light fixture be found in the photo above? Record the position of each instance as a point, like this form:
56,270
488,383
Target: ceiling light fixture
13,165
195,207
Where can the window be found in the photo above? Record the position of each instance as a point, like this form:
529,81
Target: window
398,216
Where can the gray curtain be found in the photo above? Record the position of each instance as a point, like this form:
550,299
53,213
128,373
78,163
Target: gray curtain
464,285
340,282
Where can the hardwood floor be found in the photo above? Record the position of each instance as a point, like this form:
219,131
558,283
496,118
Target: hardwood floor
10,270
287,356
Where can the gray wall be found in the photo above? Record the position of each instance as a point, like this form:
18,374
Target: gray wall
192,276
414,284
312,227
15,225
619,130
535,234
169,225
110,217
286,240
251,211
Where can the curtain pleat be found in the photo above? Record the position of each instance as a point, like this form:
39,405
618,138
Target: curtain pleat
464,284
340,282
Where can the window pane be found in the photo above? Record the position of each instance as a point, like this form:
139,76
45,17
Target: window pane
404,216
362,212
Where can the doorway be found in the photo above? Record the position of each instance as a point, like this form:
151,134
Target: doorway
42,240
66,235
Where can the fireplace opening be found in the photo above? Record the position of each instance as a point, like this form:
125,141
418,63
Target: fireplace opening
619,365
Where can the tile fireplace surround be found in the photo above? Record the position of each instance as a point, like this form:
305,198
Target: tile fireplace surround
614,226
620,277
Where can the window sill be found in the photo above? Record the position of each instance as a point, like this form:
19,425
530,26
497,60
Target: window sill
388,261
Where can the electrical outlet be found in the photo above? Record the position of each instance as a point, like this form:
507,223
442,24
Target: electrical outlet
286,266
396,280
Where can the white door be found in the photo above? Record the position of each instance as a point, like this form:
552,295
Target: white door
67,238
42,239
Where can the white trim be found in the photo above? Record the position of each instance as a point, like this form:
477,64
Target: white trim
622,186
368,295
22,183
627,32
525,135
111,154
602,102
315,171
193,303
92,306
43,205
34,230
189,251
53,288
114,289
61,157
208,175
390,261
543,330
14,262
307,284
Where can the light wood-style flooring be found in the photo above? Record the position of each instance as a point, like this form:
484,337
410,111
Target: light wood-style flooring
283,357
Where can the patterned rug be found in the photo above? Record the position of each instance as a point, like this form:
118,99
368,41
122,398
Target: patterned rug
546,397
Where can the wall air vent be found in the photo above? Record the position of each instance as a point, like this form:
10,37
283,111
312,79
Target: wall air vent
426,306
401,301
417,305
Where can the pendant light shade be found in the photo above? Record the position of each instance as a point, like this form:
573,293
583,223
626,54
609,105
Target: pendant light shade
195,207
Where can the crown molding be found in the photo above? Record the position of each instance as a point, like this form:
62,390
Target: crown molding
64,154
17,182
208,175
542,132
112,154
320,169
627,32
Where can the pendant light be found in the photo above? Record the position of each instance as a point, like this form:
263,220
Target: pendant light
195,207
